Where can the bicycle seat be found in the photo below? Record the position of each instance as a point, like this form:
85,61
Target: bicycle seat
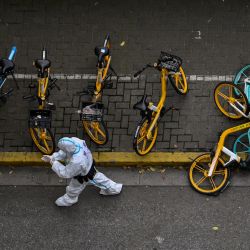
101,53
42,64
142,104
6,66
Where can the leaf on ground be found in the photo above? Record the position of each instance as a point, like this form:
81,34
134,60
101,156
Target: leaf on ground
163,170
141,171
122,43
152,169
215,228
11,172
159,239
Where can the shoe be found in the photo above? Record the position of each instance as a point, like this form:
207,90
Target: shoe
66,201
112,191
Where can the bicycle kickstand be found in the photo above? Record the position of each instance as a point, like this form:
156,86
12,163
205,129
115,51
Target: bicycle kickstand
14,78
111,68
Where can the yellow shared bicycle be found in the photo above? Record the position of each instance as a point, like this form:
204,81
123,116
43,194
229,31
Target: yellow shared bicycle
92,112
147,130
210,173
40,119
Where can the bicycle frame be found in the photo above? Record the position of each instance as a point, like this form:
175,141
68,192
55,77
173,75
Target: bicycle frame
164,74
42,89
247,88
238,110
11,57
2,81
102,72
101,76
220,147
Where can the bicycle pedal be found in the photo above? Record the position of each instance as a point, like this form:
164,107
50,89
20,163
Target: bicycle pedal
51,106
163,112
175,109
9,92
232,164
26,97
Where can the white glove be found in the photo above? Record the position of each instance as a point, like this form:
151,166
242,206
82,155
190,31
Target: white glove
46,158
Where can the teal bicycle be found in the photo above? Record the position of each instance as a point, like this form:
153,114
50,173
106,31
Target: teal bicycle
242,80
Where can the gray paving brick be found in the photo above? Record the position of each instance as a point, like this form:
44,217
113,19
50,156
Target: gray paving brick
70,48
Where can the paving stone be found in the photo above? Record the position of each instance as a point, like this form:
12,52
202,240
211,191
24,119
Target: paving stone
70,49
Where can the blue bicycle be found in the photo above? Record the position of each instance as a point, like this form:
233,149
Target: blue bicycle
242,80
7,67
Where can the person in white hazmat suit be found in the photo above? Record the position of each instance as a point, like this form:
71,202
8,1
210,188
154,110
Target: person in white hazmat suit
80,166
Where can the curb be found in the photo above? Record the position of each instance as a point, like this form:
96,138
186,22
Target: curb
106,159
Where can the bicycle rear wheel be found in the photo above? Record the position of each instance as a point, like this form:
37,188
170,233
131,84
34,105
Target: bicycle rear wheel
142,145
44,140
198,175
97,131
229,97
179,82
242,145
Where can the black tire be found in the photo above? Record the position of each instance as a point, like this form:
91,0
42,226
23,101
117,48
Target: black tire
137,133
180,92
203,176
90,134
236,93
39,146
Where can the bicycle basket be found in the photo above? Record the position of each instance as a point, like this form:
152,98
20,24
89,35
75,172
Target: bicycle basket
169,62
40,118
91,111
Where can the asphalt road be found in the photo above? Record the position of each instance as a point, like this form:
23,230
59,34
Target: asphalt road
140,218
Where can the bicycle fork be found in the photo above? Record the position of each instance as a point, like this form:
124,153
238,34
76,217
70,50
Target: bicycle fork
161,103
238,110
221,148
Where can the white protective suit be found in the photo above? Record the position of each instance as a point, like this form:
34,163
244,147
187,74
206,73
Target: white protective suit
78,161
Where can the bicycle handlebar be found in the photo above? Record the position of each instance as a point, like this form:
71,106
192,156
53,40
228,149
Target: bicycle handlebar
106,40
12,53
138,73
145,67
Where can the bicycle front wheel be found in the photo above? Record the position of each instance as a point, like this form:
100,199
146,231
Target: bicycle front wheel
44,140
179,82
97,131
231,100
242,146
199,179
143,145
